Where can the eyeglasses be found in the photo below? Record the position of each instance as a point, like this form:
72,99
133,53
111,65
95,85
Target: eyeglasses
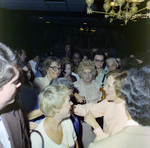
56,68
96,60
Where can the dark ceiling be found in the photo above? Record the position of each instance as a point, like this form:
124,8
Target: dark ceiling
67,12
57,12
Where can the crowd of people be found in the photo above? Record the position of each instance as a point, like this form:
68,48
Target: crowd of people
75,100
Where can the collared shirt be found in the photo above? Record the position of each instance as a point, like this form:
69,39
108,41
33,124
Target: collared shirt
4,138
131,122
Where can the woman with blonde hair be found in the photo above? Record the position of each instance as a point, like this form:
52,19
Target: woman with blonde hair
88,88
56,129
112,108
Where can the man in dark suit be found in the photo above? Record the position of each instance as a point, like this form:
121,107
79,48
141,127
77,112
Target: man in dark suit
136,133
13,133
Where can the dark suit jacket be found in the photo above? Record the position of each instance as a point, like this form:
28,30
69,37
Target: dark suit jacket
14,123
133,136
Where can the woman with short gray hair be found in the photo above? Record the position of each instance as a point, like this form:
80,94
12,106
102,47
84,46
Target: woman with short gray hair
62,81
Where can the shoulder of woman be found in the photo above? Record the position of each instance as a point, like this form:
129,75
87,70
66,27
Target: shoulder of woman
38,79
36,140
67,122
104,71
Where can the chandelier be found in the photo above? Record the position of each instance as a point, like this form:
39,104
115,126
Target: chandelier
121,9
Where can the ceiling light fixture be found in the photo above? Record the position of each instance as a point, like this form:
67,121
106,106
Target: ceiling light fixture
81,28
40,17
121,9
121,24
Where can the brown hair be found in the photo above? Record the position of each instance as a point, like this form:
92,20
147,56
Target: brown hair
65,61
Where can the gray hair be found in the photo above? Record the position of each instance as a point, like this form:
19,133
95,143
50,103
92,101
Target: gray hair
111,59
8,61
62,81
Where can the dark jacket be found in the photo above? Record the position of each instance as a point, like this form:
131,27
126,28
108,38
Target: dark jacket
14,123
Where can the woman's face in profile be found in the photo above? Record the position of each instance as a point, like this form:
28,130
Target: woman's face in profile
110,90
66,107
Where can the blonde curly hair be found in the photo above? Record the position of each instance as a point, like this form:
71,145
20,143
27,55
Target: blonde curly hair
87,64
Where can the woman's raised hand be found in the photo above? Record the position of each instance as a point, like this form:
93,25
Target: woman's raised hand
79,98
90,119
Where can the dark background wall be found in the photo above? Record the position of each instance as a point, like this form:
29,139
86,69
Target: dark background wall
38,38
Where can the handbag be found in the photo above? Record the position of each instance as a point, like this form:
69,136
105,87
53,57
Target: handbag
40,136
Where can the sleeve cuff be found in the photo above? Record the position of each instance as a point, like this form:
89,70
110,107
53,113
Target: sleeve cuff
98,131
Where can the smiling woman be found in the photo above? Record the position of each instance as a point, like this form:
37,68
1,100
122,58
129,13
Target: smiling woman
67,68
51,69
56,129
99,61
88,88
112,108
87,85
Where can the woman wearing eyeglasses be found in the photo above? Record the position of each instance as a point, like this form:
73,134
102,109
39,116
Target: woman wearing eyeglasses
51,69
99,61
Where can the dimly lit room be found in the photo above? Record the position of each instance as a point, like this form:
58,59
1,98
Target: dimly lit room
45,25
74,73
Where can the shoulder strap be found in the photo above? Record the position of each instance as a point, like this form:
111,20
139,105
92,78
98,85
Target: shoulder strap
103,78
40,136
